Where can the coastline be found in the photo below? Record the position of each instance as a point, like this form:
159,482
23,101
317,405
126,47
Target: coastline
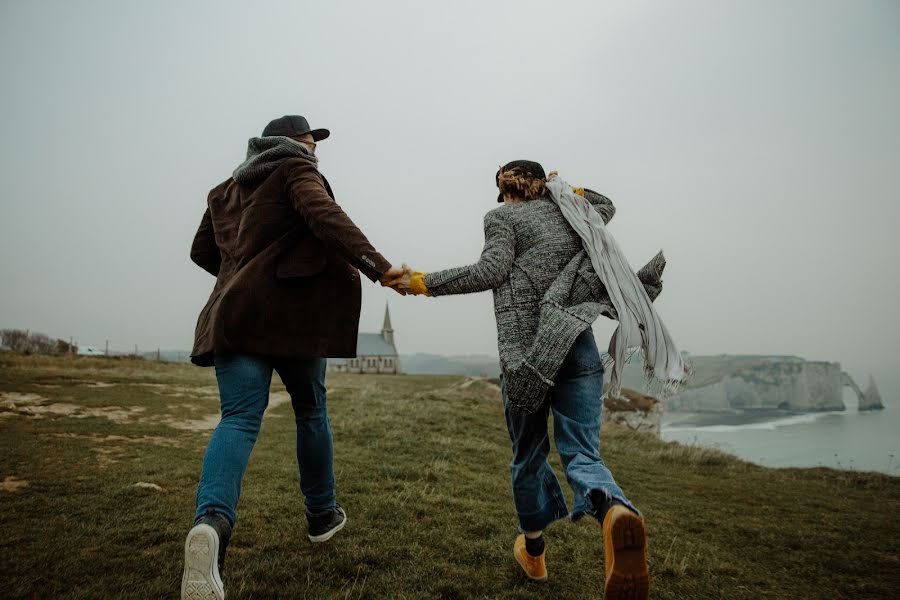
844,440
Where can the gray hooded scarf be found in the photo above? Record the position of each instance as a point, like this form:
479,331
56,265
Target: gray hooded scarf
265,154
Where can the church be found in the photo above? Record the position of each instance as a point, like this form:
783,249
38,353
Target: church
375,352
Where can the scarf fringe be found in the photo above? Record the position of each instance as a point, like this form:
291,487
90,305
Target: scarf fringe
659,388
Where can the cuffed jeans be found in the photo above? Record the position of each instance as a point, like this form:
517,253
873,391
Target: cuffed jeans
576,402
244,382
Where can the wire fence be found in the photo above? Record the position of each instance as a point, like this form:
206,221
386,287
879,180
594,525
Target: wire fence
107,348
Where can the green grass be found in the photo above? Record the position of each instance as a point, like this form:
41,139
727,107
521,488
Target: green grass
422,469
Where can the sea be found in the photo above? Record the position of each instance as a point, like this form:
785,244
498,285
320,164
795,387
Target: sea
853,440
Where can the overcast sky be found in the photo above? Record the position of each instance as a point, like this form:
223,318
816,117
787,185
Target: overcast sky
756,143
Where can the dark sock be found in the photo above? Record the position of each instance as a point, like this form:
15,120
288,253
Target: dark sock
602,504
609,506
534,547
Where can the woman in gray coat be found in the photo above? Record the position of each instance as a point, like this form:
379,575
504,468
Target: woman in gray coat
545,297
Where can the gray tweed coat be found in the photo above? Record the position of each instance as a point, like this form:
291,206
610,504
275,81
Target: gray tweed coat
545,290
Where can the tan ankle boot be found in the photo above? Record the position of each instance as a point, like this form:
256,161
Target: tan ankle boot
534,566
625,551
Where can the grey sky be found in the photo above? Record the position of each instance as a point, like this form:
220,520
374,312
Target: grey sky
757,143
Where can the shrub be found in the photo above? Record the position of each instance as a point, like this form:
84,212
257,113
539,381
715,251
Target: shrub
19,340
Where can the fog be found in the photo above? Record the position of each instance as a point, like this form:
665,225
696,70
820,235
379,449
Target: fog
756,143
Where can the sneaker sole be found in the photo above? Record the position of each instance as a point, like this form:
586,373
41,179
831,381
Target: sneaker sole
201,580
630,578
525,570
328,534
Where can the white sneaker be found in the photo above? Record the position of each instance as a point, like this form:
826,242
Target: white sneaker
201,579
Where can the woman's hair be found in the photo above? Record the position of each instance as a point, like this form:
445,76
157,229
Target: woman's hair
521,186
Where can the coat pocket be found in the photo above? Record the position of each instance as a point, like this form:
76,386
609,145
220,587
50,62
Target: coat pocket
305,259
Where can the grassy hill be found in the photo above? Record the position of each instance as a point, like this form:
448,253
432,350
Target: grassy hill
422,468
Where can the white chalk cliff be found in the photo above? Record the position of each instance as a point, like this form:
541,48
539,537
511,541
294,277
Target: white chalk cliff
871,398
728,382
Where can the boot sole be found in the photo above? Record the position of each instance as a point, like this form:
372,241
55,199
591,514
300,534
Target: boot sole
629,578
328,534
201,579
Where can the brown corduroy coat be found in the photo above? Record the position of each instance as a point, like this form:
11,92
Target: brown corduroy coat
285,257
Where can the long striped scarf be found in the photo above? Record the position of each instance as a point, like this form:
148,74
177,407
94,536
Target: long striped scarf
640,327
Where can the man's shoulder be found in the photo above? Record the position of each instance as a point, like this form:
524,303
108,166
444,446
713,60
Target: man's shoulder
296,163
305,173
222,188
298,170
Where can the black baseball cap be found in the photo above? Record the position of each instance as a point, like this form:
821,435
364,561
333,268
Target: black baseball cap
293,126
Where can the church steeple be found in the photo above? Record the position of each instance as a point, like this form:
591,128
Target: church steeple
387,332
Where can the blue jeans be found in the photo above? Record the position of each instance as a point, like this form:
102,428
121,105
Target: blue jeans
575,401
244,394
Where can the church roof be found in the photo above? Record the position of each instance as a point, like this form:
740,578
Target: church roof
373,344
387,319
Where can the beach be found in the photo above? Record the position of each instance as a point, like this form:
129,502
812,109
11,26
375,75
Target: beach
864,441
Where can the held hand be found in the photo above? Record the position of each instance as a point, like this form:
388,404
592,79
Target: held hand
391,274
405,281
397,279
413,283
401,283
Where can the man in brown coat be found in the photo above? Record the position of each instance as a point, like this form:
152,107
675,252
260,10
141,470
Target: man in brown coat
286,260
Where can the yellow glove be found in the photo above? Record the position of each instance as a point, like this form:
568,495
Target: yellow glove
417,284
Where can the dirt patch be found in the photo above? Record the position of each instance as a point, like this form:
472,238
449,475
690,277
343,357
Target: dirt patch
16,397
277,399
116,414
36,406
180,391
98,438
143,485
109,449
206,423
54,408
209,422
480,382
12,484
39,407
107,455
471,388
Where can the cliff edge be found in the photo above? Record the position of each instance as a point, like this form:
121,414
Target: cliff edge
634,410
